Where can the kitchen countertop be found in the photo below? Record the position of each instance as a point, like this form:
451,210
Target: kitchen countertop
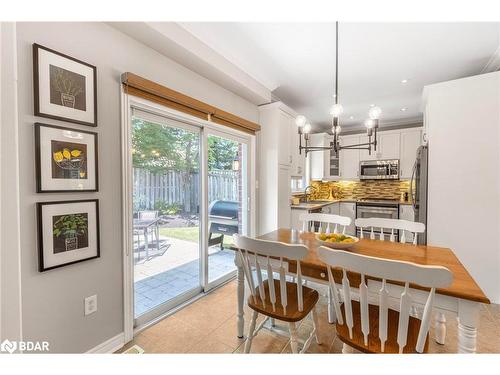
318,204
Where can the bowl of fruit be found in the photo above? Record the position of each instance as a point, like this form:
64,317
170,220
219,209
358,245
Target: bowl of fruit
336,240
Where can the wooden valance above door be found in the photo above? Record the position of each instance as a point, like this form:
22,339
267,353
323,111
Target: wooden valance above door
144,88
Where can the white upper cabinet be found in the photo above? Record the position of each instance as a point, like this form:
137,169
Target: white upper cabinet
363,154
392,144
331,161
298,161
317,158
388,145
411,139
284,148
349,159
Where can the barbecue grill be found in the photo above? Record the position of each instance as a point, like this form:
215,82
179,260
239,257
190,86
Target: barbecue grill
223,220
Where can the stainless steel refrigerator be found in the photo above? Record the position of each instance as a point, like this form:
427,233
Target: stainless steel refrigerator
418,189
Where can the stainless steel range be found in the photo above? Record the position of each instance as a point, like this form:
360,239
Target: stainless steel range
377,207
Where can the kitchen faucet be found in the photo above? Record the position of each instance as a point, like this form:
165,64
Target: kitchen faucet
310,187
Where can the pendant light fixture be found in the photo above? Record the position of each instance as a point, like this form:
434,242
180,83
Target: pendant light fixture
371,124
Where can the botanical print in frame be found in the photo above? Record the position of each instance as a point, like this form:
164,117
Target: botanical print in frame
64,88
68,232
66,159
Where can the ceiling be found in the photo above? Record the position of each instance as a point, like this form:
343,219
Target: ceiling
295,61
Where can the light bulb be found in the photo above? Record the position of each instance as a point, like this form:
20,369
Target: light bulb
307,128
300,121
369,123
336,110
374,113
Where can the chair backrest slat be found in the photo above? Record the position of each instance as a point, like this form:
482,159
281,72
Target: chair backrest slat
339,223
404,317
335,295
383,313
346,289
426,276
393,224
256,255
363,301
270,278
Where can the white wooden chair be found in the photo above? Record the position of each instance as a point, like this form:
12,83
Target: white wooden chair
378,329
277,299
373,223
333,223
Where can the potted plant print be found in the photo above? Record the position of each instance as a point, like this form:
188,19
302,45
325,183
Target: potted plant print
70,227
68,88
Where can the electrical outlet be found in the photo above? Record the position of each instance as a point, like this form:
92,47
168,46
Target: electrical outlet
90,304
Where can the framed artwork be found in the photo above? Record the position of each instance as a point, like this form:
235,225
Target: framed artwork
65,88
68,233
66,159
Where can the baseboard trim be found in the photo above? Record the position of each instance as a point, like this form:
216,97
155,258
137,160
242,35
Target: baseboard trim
109,346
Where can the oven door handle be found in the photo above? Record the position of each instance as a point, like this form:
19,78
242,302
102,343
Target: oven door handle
390,212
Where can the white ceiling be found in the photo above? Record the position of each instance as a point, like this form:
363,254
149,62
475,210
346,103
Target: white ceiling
296,62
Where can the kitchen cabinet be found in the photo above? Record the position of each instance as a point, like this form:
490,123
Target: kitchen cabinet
284,155
284,193
406,212
298,161
332,209
349,209
411,139
349,159
295,222
387,146
317,158
392,144
277,163
331,162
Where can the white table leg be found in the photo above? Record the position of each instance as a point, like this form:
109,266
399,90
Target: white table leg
332,318
440,328
468,316
240,295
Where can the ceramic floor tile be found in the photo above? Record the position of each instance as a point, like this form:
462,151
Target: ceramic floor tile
209,326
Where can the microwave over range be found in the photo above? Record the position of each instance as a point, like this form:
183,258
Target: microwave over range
379,169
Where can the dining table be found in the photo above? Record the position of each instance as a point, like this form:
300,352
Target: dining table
462,298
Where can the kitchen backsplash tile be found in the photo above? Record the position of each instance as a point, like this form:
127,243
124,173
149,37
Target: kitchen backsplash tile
388,189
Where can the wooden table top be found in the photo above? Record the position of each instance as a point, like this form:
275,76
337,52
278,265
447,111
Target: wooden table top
463,285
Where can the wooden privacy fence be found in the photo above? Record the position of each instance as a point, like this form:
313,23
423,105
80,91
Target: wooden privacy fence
181,188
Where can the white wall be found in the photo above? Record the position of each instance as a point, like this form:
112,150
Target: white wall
53,300
10,283
463,124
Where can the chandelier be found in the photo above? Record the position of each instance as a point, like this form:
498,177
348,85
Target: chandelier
371,124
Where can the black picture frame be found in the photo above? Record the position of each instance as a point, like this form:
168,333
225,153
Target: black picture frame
38,157
40,226
36,86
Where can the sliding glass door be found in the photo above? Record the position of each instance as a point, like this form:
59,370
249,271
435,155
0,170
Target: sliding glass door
190,195
166,213
227,202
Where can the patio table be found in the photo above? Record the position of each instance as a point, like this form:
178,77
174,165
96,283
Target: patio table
145,225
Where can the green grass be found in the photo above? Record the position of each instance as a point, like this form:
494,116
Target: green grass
189,234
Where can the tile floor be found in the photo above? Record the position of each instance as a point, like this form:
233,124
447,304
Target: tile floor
209,326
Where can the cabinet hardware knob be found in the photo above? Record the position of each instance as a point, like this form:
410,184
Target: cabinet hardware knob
323,275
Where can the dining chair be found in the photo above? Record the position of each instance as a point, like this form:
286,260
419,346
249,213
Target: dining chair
279,299
373,223
377,328
333,223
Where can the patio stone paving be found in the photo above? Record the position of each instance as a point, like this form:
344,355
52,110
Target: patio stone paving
171,272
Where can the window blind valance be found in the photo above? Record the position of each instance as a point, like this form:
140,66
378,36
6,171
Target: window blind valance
144,88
